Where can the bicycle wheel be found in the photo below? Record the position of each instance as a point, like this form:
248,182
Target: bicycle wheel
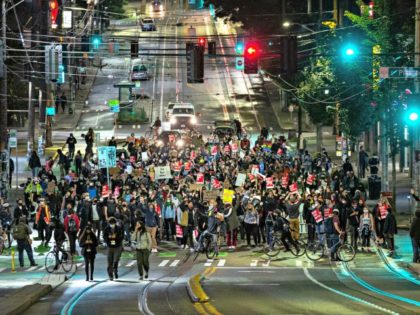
66,261
210,250
346,252
197,251
298,248
51,263
314,251
274,249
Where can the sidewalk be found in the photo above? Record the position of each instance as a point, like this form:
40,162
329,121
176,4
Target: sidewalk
404,252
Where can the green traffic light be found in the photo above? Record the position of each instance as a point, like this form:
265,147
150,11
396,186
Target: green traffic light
413,116
349,51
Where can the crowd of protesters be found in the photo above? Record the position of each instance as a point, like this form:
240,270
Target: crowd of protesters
131,205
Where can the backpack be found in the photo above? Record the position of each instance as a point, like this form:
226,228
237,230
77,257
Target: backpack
72,224
329,226
19,232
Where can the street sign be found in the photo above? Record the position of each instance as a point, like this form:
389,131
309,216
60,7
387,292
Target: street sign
107,157
399,73
67,19
50,111
13,138
239,63
138,84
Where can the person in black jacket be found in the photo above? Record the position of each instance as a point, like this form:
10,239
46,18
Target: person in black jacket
415,237
113,236
89,242
390,229
20,210
34,164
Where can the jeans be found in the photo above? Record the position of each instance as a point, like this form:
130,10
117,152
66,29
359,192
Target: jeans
232,237
416,247
114,254
354,235
127,233
269,231
89,262
251,229
72,240
35,172
24,245
335,242
320,232
142,261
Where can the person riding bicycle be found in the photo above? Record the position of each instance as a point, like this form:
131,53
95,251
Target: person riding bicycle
213,223
282,226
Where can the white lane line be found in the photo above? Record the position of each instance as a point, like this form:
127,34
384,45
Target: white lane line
208,263
31,268
132,263
221,263
174,263
2,269
254,263
348,296
163,263
163,74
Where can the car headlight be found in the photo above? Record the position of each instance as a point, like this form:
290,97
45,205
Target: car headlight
193,120
180,143
172,120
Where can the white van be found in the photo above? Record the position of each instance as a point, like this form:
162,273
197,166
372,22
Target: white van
183,116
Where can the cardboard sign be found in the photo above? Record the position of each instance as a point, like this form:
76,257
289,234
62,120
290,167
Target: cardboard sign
284,181
193,155
210,195
105,191
114,171
163,172
215,183
187,166
194,187
293,187
317,215
240,179
255,169
200,179
269,182
144,156
310,180
214,150
252,178
279,151
327,212
228,195
107,157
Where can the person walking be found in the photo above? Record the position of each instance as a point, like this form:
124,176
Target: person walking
415,237
390,229
21,234
366,228
42,221
251,224
71,144
62,162
151,224
63,102
143,242
89,139
89,243
34,164
72,226
113,237
363,162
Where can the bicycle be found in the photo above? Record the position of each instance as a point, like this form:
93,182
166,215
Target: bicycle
297,248
58,257
206,246
316,250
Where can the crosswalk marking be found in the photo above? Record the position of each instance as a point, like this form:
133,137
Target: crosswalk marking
299,263
41,268
130,264
32,268
221,263
254,263
208,263
174,263
266,264
163,263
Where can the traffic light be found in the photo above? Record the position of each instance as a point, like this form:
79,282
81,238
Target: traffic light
54,13
134,48
202,41
239,48
349,51
195,64
96,41
288,54
413,109
251,56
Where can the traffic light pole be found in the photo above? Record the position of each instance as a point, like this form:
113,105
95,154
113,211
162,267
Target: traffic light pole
415,166
3,97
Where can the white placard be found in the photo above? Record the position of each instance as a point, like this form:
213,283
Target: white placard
67,19
163,172
240,179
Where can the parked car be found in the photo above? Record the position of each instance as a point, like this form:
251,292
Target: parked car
139,72
148,24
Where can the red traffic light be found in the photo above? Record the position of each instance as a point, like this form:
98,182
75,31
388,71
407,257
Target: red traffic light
53,12
202,41
251,50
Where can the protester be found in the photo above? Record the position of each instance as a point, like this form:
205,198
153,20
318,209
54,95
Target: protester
42,220
21,233
143,242
113,236
88,243
366,228
390,229
72,227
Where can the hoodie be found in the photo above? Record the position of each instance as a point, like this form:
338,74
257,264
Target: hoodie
415,227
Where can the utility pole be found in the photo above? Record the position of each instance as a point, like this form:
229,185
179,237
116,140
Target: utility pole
415,166
3,77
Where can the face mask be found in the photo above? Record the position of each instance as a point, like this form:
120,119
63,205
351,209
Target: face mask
365,211
113,226
210,207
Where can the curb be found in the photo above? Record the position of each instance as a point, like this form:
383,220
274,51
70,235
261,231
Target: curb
27,296
414,269
195,290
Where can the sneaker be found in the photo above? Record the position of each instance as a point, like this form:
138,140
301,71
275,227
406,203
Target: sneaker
154,250
141,278
34,264
116,275
111,279
146,276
